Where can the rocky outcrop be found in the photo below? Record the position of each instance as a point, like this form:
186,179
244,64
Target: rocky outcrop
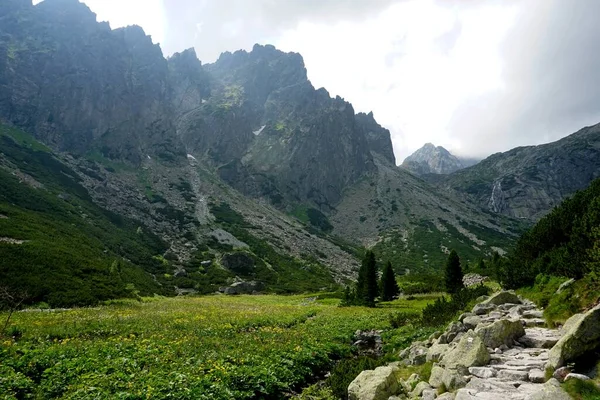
378,384
581,335
243,288
430,159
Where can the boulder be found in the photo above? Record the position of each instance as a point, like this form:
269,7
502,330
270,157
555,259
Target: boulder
471,322
536,376
481,309
437,373
453,380
436,352
410,383
470,352
581,377
551,390
417,355
501,332
581,335
512,375
243,288
446,396
378,384
482,372
565,285
561,373
419,389
503,298
428,394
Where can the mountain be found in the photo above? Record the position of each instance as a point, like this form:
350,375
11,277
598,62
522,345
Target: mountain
527,182
431,159
209,174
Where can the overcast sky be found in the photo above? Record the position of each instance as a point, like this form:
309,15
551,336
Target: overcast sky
474,76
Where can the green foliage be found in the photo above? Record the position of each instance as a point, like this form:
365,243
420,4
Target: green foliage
453,274
443,310
558,307
582,390
421,283
366,285
211,347
345,371
74,253
563,243
389,286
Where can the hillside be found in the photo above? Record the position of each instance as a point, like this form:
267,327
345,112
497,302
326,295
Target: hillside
240,161
527,182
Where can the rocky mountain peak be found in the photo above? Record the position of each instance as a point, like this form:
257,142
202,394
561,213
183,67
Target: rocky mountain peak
432,159
378,137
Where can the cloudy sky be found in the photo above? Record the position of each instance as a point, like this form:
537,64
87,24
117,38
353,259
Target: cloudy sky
474,76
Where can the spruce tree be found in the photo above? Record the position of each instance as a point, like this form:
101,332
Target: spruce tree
453,273
366,287
389,286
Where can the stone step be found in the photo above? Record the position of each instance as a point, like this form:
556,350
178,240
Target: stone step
540,338
534,322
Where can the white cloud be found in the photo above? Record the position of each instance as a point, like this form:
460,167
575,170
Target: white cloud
413,65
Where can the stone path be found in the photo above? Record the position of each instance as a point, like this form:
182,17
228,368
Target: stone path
498,351
516,372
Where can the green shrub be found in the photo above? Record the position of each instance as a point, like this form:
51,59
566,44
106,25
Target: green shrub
345,371
443,310
582,390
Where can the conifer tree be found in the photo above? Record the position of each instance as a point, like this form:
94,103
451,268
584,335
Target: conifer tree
366,287
453,273
389,286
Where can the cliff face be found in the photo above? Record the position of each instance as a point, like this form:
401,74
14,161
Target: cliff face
82,87
271,133
527,182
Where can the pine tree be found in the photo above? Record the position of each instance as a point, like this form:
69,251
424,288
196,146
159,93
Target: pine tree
389,286
453,273
366,287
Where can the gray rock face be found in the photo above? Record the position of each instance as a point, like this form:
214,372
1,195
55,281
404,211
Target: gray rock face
430,159
501,332
378,384
581,335
243,288
79,86
527,182
469,352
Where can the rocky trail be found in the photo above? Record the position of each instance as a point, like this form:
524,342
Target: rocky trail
500,350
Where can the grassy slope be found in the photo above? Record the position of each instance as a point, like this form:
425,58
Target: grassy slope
74,251
214,347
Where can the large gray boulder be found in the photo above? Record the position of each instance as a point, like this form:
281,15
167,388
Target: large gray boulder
378,384
581,335
503,298
470,352
501,332
436,377
551,390
436,352
243,288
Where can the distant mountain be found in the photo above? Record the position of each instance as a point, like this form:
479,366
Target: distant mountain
431,159
212,174
527,182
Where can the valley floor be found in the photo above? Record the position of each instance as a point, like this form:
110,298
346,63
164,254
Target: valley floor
213,347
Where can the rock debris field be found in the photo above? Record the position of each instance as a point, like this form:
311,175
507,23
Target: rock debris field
500,350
